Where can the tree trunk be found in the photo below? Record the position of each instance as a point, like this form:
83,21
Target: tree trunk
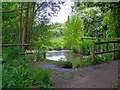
25,28
32,14
20,41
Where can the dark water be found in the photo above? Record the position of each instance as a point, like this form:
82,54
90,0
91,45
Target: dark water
63,55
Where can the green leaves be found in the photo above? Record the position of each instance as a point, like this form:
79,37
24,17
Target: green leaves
73,30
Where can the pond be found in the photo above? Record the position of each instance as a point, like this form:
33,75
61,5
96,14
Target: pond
63,55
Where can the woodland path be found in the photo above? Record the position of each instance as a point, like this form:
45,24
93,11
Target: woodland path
96,76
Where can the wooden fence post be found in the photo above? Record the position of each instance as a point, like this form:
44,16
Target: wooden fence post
108,47
93,51
113,57
101,48
44,55
97,48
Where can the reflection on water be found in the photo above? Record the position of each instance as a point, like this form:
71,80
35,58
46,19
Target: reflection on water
63,55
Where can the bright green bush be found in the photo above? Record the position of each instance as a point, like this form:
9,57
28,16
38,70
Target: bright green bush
72,31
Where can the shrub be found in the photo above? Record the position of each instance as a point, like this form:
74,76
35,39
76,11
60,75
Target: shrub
74,48
17,75
118,82
84,46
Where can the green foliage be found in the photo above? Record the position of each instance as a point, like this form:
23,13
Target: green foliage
40,36
41,78
57,28
74,48
38,55
56,43
10,24
106,57
10,52
16,77
117,85
84,46
21,77
18,74
15,74
117,54
88,61
72,31
109,18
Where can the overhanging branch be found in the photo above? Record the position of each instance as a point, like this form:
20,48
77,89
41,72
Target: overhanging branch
14,10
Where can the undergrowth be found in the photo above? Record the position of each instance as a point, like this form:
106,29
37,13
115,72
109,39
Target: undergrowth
18,74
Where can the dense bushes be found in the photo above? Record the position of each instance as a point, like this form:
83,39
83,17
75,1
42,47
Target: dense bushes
85,46
18,74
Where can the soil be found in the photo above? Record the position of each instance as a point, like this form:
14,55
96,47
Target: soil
96,76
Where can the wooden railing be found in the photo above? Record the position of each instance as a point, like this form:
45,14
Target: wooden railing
96,43
100,38
7,45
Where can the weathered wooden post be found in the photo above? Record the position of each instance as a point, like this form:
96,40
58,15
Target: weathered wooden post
101,48
97,48
104,34
113,57
108,47
93,51
44,55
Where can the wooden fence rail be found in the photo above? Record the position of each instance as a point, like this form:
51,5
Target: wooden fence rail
7,45
100,38
95,43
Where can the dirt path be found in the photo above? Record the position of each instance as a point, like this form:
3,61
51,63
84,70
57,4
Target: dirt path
97,76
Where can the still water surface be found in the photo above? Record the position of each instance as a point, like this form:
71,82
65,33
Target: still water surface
63,55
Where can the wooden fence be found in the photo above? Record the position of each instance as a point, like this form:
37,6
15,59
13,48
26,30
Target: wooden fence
100,38
97,43
7,45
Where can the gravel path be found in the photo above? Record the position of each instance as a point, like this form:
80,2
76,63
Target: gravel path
96,76
54,67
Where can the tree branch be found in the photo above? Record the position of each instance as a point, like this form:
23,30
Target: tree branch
14,10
